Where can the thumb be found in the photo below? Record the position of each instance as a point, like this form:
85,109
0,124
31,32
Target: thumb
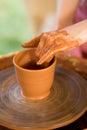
33,43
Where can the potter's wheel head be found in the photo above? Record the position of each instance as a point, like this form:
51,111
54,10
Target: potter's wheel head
66,102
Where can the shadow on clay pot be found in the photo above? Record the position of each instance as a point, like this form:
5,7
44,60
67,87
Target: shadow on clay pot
35,81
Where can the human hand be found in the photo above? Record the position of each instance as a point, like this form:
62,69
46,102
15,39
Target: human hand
50,43
58,41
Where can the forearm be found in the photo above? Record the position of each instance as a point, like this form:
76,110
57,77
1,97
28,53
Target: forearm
67,12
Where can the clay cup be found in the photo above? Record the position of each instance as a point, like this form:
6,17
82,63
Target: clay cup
35,83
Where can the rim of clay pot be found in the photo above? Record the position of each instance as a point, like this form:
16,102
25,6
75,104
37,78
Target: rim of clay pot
32,70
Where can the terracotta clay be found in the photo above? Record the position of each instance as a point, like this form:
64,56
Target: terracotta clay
34,83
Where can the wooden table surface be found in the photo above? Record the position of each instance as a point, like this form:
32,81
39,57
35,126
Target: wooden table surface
67,61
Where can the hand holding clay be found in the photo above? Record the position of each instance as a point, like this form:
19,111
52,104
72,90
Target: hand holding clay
50,43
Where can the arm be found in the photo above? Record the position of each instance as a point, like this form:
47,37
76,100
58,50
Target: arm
65,12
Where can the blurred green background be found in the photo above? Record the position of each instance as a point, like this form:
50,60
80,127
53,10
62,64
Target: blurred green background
14,26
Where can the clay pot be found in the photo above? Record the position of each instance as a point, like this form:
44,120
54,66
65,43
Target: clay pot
35,83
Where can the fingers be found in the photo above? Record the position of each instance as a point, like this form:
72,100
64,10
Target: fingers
44,58
48,41
48,55
41,45
52,43
56,43
33,43
51,40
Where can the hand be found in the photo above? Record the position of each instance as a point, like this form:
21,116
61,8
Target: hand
50,43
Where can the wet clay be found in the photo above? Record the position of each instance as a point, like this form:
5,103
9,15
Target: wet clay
54,42
33,65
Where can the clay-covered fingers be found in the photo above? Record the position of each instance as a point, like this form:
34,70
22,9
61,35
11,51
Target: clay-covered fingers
46,41
48,55
53,41
33,43
59,46
42,43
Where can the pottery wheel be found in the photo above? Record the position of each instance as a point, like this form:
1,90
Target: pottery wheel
66,103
